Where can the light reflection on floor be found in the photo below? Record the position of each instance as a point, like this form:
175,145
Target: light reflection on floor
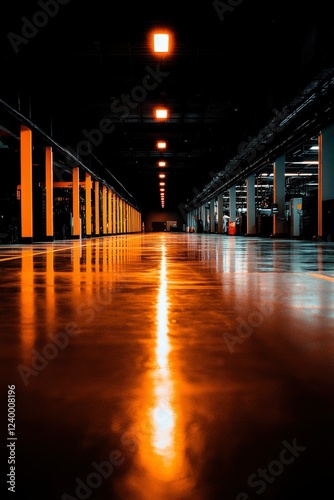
184,360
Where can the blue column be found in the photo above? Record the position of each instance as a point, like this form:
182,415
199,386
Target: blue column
251,215
212,216
326,184
280,225
233,203
220,213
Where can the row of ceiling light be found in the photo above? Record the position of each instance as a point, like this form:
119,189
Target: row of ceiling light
161,45
162,183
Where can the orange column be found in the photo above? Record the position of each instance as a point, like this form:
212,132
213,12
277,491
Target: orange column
97,207
120,216
110,212
49,192
76,203
114,213
88,189
104,210
26,185
126,217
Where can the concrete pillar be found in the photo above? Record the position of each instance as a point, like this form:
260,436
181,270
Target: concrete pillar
104,211
251,208
125,217
280,225
49,192
138,221
88,199
119,216
326,183
201,213
76,203
212,216
97,207
114,213
118,230
220,213
26,185
189,219
233,203
110,212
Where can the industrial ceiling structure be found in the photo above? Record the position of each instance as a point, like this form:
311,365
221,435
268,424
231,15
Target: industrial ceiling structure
244,82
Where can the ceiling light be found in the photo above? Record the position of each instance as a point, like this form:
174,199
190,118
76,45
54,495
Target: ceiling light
161,144
162,184
162,163
304,162
161,113
298,174
162,176
161,42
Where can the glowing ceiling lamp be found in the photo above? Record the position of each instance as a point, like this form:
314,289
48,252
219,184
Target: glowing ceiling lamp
161,145
161,42
161,113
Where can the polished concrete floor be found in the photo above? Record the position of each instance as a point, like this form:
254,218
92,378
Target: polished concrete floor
168,366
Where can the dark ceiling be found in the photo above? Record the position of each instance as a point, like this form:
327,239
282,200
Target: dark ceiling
85,75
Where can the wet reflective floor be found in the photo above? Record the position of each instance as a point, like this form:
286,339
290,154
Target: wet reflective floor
167,366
